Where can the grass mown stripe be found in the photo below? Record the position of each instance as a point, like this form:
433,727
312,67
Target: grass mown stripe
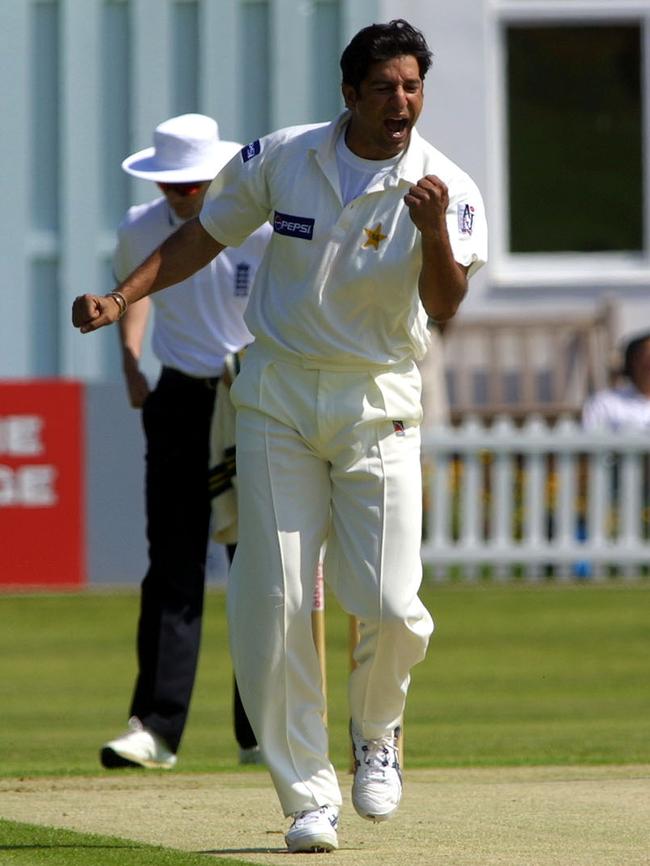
33,845
515,675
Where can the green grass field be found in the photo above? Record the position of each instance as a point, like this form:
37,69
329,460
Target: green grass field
519,674
26,844
516,675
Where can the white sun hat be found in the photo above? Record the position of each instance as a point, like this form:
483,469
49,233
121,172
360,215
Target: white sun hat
186,148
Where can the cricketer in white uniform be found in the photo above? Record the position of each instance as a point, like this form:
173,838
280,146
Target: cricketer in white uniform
374,229
328,444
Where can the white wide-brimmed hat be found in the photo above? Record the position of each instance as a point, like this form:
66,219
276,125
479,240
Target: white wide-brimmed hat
186,149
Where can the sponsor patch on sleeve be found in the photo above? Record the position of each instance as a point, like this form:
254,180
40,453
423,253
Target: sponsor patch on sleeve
465,218
293,226
250,150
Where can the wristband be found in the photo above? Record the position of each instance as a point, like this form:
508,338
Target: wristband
120,300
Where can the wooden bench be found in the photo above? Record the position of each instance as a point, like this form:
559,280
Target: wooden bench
519,365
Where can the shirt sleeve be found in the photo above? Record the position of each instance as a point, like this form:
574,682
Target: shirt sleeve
595,412
236,202
467,225
123,257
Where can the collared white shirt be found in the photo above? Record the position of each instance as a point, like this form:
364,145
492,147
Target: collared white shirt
338,284
617,409
200,320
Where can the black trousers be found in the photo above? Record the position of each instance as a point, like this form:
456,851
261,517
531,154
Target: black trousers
176,418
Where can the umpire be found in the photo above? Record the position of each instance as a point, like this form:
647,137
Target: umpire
195,326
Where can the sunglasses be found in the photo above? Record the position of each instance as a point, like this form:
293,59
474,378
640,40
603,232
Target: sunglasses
182,189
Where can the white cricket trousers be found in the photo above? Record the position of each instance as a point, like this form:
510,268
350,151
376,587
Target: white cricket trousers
324,455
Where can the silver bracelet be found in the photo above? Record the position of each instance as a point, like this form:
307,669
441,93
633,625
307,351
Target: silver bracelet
120,300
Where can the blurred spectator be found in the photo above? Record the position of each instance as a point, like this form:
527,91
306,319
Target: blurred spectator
626,406
623,407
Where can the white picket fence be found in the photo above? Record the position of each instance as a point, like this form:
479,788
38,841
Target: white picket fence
536,500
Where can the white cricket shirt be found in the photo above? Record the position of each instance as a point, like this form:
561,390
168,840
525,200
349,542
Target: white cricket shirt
617,409
201,320
338,283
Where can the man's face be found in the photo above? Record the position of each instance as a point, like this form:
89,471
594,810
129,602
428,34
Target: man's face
640,366
185,199
385,108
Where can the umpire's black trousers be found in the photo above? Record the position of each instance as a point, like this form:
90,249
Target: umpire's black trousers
176,418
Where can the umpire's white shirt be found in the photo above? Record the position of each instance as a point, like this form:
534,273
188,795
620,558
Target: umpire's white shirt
327,264
199,321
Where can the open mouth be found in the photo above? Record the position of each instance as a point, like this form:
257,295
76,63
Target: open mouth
396,126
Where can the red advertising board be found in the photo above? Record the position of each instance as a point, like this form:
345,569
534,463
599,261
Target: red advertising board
42,511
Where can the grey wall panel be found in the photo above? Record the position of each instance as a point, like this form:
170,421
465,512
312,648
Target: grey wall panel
115,521
116,547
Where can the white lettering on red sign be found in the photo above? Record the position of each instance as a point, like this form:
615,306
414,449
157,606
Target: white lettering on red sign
20,435
27,485
30,486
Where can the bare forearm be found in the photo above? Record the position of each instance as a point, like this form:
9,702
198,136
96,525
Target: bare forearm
186,251
182,254
132,327
132,330
443,282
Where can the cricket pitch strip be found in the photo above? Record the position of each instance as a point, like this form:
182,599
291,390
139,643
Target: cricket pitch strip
515,816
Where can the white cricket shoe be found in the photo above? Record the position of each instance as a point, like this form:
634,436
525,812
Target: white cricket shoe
139,747
377,786
313,832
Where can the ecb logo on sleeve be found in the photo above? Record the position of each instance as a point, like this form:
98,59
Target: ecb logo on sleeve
242,280
465,218
293,226
250,150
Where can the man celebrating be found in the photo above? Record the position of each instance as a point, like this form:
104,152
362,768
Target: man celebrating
373,231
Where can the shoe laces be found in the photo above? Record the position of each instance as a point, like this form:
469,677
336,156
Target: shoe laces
311,816
378,755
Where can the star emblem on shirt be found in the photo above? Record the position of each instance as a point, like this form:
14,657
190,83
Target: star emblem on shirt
374,237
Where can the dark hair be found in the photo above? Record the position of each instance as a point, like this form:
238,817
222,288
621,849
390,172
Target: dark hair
383,42
631,350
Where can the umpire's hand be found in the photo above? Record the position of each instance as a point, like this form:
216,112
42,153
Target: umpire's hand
90,312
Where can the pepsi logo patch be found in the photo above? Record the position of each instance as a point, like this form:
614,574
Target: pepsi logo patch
251,150
293,226
465,218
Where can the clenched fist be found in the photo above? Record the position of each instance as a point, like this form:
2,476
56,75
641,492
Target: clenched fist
427,202
90,312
